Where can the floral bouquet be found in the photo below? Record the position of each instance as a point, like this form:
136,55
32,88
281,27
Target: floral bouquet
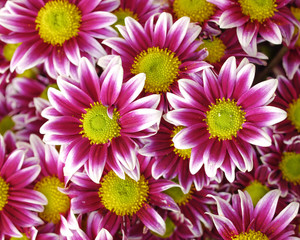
149,119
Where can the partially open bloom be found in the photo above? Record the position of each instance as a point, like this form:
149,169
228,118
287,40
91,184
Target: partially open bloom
122,203
223,118
270,19
242,221
57,33
19,203
99,120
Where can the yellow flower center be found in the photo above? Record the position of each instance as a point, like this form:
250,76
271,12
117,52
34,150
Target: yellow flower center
122,14
184,153
4,188
259,10
29,73
58,21
179,196
290,167
197,10
123,196
97,126
58,202
9,50
216,49
6,123
21,238
293,113
256,190
224,119
251,235
161,67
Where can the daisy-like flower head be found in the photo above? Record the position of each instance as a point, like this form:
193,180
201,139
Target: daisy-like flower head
19,203
240,220
99,120
122,203
57,32
288,99
283,158
223,118
271,19
164,50
170,162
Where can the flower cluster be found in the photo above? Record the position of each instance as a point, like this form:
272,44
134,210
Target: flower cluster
149,119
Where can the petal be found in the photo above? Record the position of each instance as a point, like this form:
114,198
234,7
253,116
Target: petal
232,17
245,77
72,51
246,33
24,177
254,135
228,76
271,32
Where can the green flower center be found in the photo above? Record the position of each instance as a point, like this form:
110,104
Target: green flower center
97,126
9,50
184,153
58,202
6,123
290,167
197,10
58,21
44,94
216,49
259,10
293,113
256,190
224,119
160,66
170,227
29,73
179,196
121,14
123,196
21,238
251,235
4,187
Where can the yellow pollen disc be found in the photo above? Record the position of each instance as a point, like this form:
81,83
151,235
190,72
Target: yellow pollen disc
58,202
123,197
6,123
58,21
97,126
122,14
161,67
196,10
21,238
251,235
293,113
224,119
9,50
259,10
4,188
290,167
184,153
256,191
178,195
296,12
216,49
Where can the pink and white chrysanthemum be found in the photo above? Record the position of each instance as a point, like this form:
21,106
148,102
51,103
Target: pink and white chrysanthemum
57,33
99,119
272,20
162,49
170,162
122,203
240,220
288,99
223,118
19,203
283,158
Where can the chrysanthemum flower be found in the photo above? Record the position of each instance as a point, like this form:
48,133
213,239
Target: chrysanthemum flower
121,203
284,161
242,221
98,120
57,33
19,203
163,50
170,162
288,99
223,118
271,19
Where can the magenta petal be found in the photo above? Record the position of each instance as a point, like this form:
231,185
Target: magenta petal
160,31
2,150
96,20
211,85
65,125
27,196
271,32
265,209
152,219
13,163
196,160
246,33
104,235
227,76
72,51
24,177
232,17
245,78
185,117
254,135
8,227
